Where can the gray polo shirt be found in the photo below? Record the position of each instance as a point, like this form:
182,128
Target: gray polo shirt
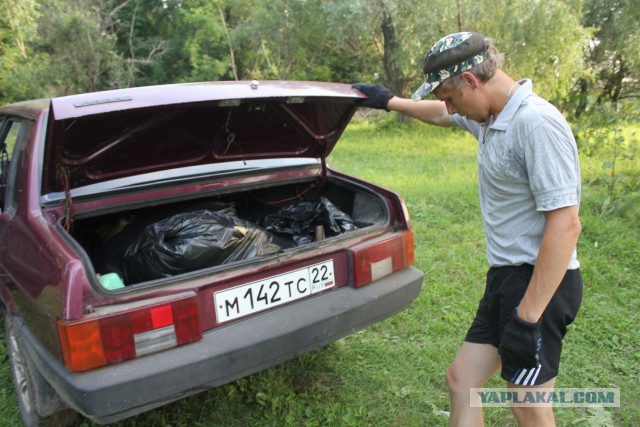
527,164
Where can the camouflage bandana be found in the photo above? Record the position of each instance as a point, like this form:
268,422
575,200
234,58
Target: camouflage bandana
450,56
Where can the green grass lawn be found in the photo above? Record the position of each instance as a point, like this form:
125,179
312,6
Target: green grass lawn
394,372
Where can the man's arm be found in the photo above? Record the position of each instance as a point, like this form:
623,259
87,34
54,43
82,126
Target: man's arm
432,112
558,242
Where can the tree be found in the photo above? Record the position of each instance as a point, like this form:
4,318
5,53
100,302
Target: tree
542,39
384,37
18,30
615,49
52,47
57,47
144,33
79,38
206,42
282,39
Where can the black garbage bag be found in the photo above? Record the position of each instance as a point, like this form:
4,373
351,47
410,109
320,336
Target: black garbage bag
298,221
191,241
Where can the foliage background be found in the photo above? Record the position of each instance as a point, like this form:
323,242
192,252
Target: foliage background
59,47
581,54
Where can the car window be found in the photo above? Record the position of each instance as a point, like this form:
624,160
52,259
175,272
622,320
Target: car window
12,148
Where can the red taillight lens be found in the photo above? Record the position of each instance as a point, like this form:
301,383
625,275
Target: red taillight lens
372,262
117,339
88,344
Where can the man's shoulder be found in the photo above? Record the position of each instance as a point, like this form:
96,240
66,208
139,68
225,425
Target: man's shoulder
536,111
534,106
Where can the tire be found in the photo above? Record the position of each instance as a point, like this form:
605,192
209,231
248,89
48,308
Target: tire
39,404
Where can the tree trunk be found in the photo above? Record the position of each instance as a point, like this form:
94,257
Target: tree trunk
394,77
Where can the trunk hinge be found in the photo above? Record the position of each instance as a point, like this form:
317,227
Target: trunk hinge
63,175
322,179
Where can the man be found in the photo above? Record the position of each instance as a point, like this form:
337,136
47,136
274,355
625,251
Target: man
529,185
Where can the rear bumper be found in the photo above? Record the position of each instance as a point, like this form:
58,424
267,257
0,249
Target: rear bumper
223,355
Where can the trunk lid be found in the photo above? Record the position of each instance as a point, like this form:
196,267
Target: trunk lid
101,136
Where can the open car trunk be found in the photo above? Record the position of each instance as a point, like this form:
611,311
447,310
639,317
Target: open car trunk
102,146
146,244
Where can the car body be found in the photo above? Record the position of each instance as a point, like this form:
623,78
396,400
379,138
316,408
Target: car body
90,174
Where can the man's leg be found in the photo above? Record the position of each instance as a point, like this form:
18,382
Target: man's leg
471,368
534,416
560,312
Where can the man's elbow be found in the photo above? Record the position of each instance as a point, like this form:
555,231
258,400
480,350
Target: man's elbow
572,227
575,228
565,221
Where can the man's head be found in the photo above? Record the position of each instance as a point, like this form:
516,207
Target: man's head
455,54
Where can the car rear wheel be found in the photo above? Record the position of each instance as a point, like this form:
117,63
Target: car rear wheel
39,403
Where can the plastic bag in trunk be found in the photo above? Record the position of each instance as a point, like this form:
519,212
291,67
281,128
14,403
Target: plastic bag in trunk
299,220
192,241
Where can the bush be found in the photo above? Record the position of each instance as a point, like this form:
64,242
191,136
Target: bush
609,146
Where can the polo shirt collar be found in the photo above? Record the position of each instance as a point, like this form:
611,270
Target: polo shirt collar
509,110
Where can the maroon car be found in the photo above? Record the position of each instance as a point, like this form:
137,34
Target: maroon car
159,241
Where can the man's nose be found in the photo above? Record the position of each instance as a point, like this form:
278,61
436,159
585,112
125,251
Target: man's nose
450,108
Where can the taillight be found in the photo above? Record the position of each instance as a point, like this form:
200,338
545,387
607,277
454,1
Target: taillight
91,343
375,261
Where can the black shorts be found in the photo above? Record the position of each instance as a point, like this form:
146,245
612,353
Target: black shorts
504,290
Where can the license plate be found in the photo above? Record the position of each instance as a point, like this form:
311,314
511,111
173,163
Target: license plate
273,291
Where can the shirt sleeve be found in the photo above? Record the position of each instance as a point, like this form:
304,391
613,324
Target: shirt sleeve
552,165
466,124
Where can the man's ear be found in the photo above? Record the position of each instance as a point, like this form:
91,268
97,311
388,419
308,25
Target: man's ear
471,79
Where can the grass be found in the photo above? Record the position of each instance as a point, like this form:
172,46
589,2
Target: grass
393,373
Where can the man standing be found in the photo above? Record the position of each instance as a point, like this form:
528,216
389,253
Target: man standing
529,185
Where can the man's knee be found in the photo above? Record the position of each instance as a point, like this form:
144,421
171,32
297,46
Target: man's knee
472,367
457,381
533,415
454,378
539,416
